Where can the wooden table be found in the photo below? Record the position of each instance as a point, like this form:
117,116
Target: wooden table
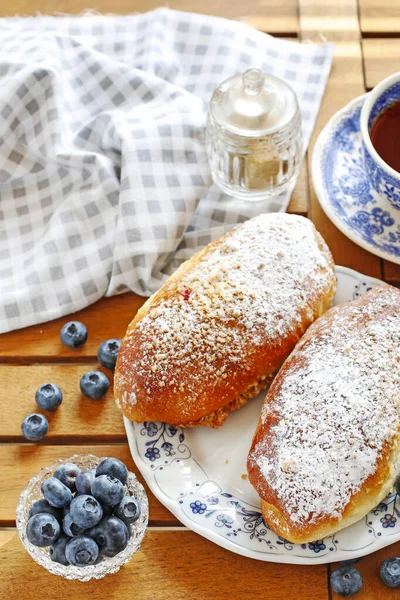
175,563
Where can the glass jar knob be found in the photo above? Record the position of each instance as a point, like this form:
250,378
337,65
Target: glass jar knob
253,82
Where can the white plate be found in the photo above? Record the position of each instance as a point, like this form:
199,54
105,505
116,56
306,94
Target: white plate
345,192
200,476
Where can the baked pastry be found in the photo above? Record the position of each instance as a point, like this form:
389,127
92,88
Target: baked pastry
216,332
326,449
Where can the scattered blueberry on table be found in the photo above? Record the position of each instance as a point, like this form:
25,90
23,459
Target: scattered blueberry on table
79,528
34,427
67,474
113,467
346,581
94,384
48,396
74,334
108,352
390,572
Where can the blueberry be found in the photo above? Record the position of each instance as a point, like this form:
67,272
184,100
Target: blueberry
42,530
48,396
346,581
42,506
56,492
74,334
108,352
111,536
81,551
113,467
67,474
84,481
94,384
390,572
70,528
128,510
107,510
34,427
86,511
108,490
57,550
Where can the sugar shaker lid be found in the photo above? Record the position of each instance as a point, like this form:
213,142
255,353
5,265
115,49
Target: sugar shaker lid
253,103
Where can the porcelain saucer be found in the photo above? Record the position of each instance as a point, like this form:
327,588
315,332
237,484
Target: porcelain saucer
344,190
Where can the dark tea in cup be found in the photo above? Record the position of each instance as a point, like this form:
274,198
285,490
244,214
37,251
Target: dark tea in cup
385,136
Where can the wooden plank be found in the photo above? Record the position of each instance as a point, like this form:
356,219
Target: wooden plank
300,197
391,273
171,565
273,16
380,17
337,22
6,535
106,319
381,59
20,462
78,418
373,588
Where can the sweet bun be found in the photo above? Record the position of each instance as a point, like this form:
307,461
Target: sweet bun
217,331
326,449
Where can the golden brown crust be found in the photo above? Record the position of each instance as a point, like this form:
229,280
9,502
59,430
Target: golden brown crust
359,334
208,336
219,416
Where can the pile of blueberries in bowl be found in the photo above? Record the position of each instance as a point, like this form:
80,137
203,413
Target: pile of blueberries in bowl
83,517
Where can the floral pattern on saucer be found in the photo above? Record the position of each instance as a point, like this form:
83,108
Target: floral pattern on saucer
173,462
347,186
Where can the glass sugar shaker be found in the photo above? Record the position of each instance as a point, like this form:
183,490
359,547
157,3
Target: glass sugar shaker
253,137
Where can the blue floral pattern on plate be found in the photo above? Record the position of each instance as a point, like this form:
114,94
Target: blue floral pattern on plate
239,519
160,449
169,459
350,186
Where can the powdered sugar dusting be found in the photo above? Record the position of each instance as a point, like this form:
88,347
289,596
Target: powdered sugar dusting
126,398
335,409
258,285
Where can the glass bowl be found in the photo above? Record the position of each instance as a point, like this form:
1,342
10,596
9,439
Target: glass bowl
33,492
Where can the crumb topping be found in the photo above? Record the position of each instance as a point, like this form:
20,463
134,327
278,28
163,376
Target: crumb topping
254,287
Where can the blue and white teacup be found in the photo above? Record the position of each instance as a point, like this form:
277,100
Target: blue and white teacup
384,179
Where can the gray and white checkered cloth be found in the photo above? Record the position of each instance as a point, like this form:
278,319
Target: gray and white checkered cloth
104,181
